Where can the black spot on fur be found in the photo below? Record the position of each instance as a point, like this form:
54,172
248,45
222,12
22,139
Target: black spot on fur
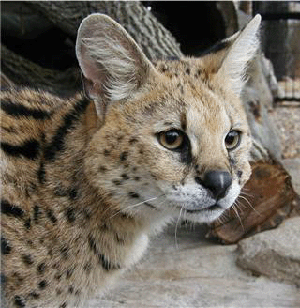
120,240
106,152
87,267
123,156
70,214
183,120
36,213
60,191
41,268
42,284
19,301
41,173
188,71
102,259
125,176
239,173
29,243
50,252
77,293
57,276
51,216
133,141
86,214
58,291
64,252
163,69
106,265
149,109
180,87
232,161
92,244
133,194
137,178
198,73
116,182
10,209
55,266
71,289
57,144
63,305
27,223
104,227
18,110
153,176
70,272
27,259
73,193
28,149
33,295
102,169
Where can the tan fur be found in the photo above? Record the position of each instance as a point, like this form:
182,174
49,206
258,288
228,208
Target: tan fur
78,208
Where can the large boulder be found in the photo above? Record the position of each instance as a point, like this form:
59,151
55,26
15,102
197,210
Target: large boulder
274,253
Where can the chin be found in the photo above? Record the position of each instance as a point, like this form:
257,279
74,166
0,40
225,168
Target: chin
205,215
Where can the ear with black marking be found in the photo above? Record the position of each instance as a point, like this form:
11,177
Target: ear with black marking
113,65
230,58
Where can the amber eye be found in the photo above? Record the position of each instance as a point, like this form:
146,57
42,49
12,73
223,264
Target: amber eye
232,140
172,139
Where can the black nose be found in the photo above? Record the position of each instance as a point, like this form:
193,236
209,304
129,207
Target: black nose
217,182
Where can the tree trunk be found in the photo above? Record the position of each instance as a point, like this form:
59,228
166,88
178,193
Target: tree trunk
155,40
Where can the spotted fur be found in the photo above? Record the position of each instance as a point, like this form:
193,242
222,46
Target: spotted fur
86,181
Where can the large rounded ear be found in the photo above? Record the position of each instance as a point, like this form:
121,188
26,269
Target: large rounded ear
113,65
229,59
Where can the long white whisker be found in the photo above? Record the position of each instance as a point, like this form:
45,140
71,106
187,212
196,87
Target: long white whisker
238,216
133,206
254,209
176,227
246,194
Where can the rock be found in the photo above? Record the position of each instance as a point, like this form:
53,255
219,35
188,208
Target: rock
275,253
293,167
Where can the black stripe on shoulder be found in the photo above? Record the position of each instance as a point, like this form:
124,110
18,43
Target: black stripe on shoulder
19,110
106,265
29,149
10,209
58,141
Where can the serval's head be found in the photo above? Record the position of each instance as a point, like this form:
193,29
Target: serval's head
172,137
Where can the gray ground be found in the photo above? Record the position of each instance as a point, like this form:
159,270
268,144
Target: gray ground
194,272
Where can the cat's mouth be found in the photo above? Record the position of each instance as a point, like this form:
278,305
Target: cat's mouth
210,208
201,214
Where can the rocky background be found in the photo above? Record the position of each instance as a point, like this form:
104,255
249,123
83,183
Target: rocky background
186,266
